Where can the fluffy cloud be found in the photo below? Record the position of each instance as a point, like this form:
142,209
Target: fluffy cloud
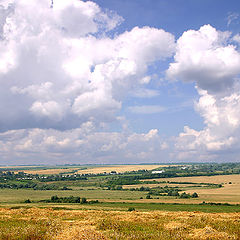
57,65
218,107
80,145
204,57
221,117
63,80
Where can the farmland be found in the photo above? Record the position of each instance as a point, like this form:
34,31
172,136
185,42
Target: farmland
118,183
195,201
230,192
118,168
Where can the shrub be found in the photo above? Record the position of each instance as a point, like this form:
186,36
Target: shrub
148,196
130,209
83,200
185,195
194,195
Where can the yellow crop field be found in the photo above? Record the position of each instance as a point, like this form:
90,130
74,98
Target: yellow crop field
49,224
50,171
119,168
153,185
230,192
5,167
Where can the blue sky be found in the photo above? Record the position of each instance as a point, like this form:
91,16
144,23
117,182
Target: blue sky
117,81
176,16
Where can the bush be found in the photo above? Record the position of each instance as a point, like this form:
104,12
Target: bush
194,195
70,199
173,193
185,195
118,188
130,209
148,196
93,201
54,198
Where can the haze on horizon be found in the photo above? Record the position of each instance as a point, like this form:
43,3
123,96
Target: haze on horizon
119,81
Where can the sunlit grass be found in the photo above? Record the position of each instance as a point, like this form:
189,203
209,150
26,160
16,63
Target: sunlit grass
49,224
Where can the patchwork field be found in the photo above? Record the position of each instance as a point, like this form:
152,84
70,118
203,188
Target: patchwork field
131,205
88,169
49,224
230,192
50,171
119,168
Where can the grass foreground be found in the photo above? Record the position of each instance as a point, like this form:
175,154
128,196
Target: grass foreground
49,224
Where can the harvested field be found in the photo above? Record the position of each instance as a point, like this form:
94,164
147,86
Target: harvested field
49,224
25,166
50,171
119,168
218,179
153,185
230,192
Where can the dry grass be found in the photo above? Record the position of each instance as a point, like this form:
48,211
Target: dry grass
119,168
48,224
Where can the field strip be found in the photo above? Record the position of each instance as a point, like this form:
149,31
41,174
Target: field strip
50,171
119,168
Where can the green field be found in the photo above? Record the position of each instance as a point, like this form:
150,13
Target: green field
18,196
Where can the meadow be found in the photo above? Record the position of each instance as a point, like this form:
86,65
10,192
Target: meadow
49,224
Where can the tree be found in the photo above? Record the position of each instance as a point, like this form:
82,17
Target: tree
130,209
185,195
194,195
148,196
54,198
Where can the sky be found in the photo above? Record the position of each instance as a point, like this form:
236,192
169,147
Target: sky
119,81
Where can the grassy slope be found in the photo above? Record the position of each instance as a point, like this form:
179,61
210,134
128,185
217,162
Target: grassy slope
48,224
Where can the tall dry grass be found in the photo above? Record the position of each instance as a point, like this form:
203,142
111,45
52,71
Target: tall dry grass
49,224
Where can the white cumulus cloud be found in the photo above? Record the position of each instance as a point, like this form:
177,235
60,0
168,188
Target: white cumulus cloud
207,58
59,69
63,80
204,57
